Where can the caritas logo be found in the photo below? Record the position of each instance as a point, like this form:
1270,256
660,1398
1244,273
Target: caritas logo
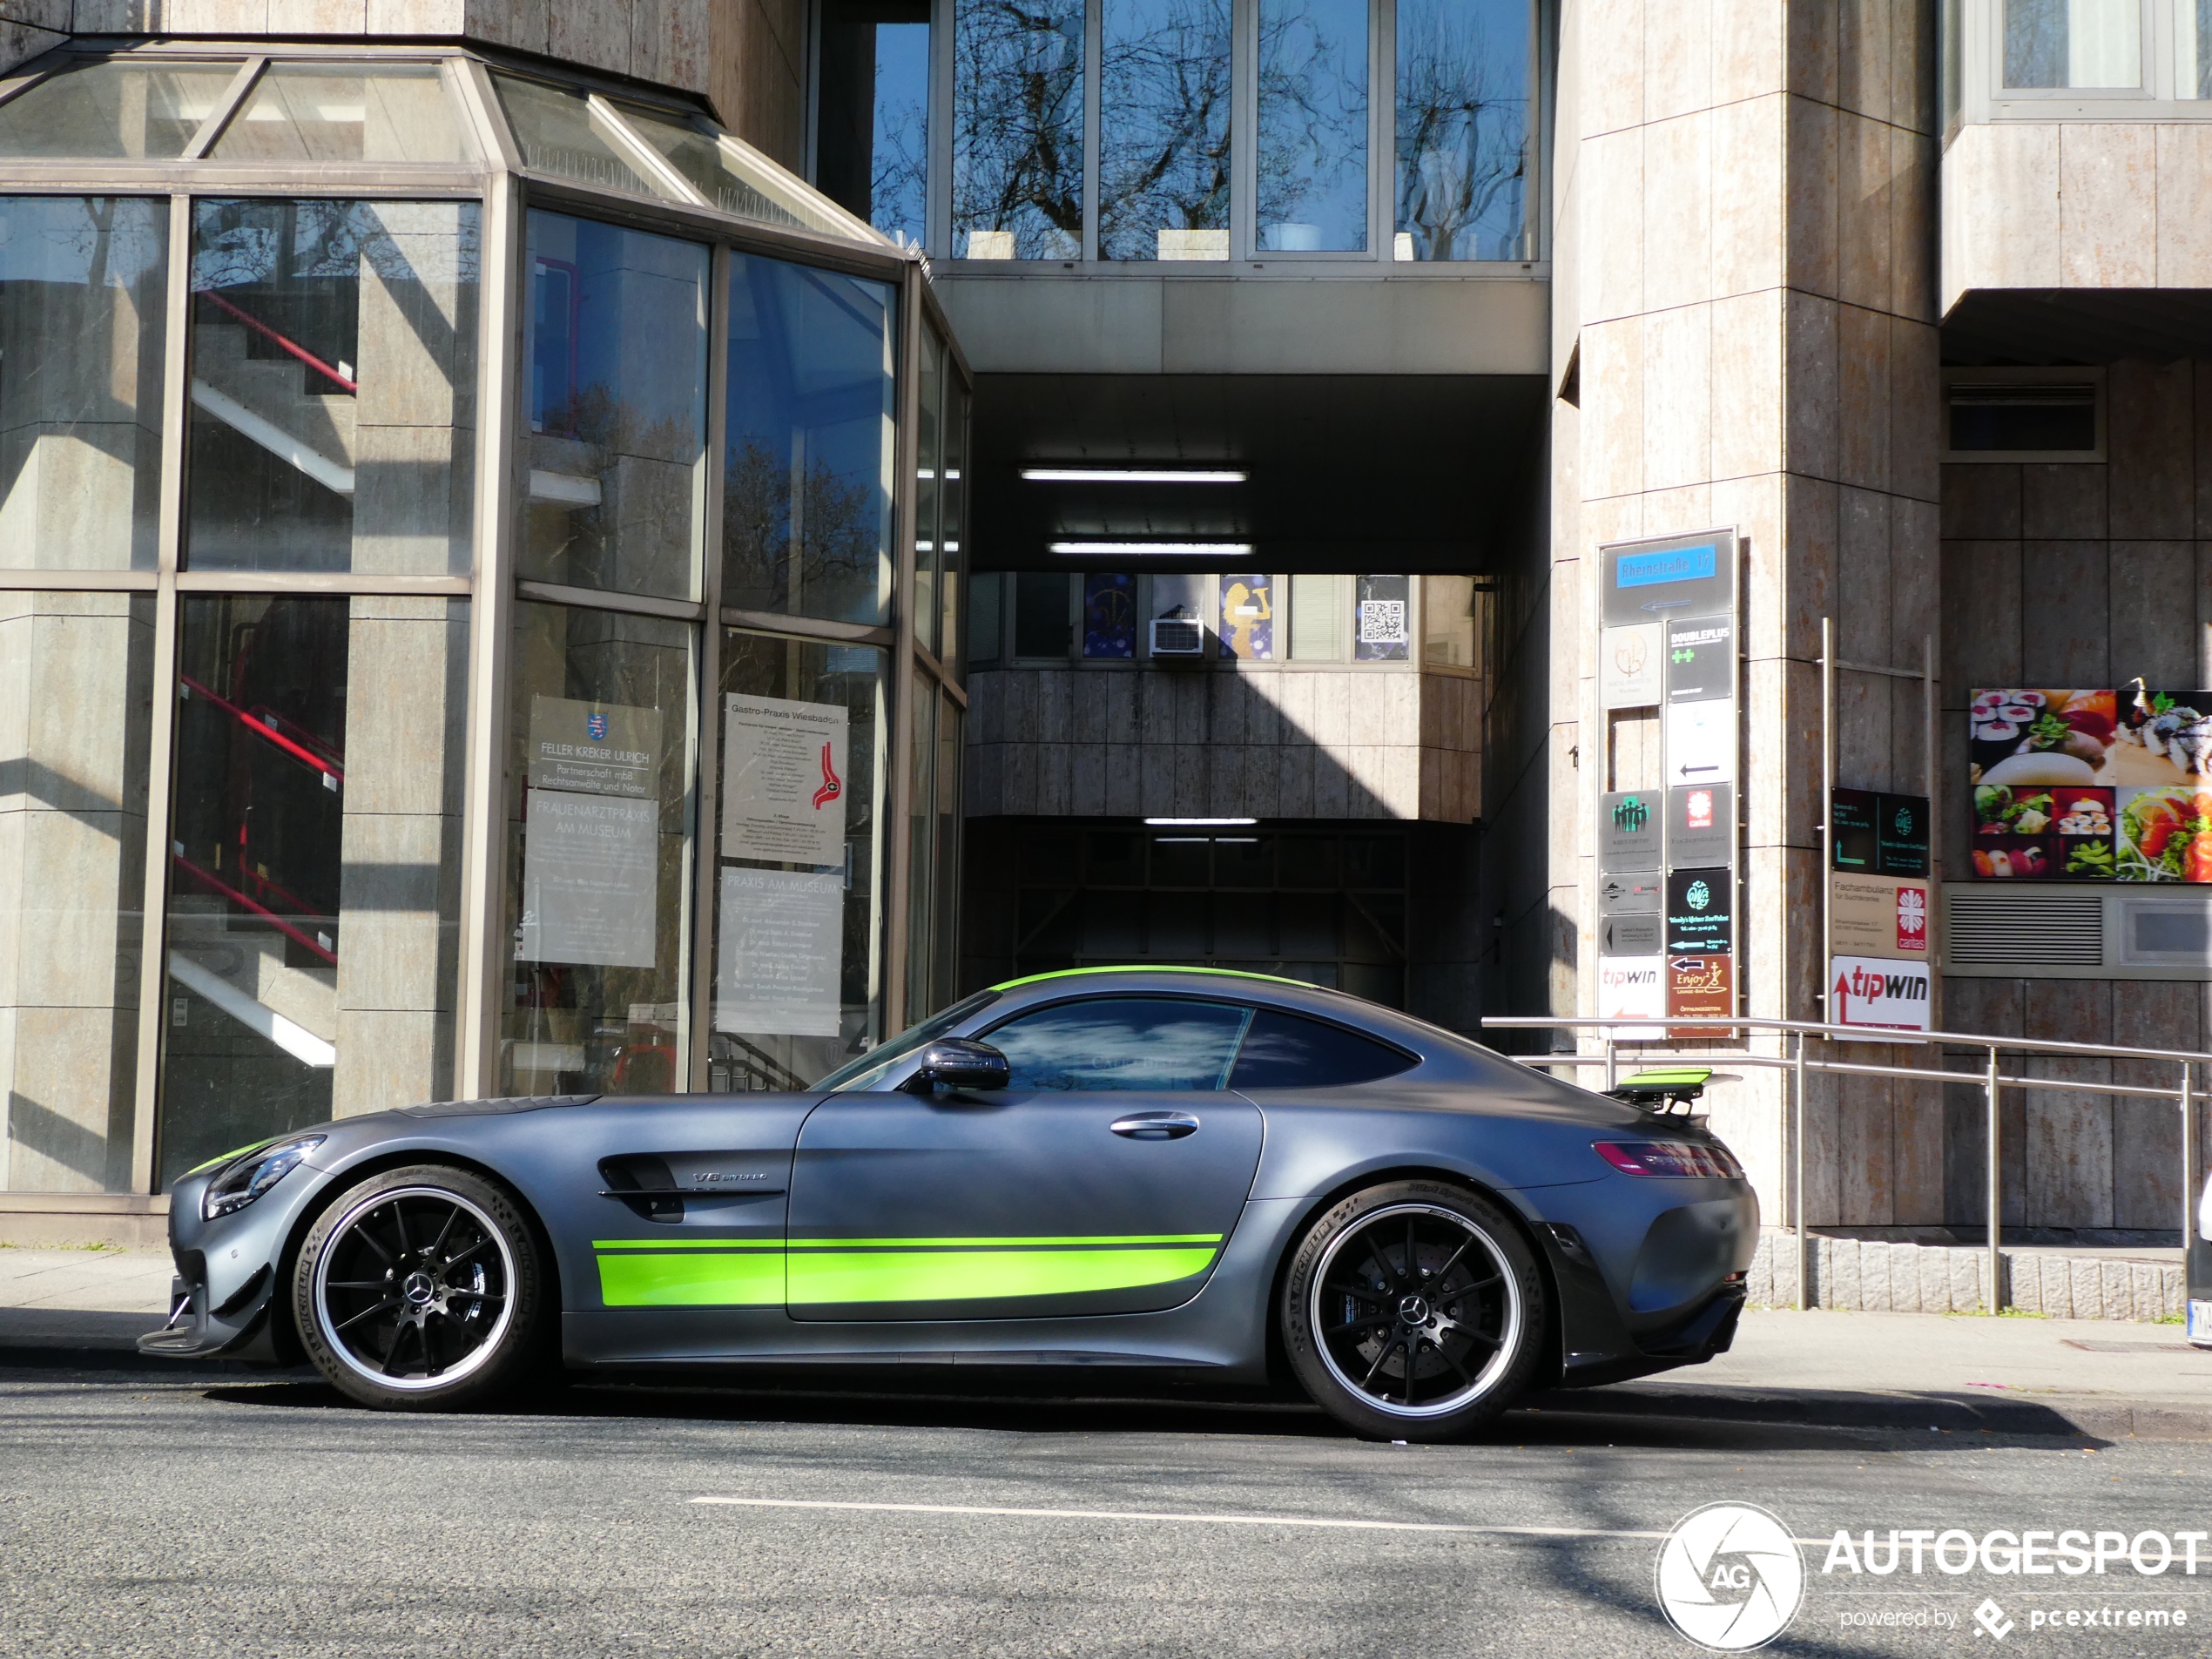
1698,809
1913,918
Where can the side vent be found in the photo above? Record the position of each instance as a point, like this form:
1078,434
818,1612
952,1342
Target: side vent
1994,927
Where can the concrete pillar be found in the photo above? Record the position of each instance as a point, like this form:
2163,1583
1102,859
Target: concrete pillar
1744,286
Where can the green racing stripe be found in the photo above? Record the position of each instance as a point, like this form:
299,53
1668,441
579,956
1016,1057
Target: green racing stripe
737,1272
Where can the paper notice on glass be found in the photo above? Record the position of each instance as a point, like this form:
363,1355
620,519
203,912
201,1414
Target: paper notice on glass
777,972
589,869
782,780
594,748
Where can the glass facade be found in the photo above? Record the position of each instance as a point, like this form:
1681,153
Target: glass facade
462,727
1122,131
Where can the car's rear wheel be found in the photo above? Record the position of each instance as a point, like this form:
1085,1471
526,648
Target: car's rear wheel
1413,1311
422,1289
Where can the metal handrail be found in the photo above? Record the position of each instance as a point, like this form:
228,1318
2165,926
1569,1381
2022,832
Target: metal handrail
1992,1082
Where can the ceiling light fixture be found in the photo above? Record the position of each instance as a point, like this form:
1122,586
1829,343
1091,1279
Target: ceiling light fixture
1171,549
1195,823
1134,475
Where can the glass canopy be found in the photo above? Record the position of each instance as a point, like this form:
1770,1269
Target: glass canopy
391,108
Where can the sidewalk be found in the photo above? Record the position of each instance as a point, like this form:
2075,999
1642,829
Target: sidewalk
1918,1371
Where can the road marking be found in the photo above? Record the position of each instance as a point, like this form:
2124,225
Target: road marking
1346,1525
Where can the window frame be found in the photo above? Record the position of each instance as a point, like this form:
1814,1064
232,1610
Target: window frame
1245,257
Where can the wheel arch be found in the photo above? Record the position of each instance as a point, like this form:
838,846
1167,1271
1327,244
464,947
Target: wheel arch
285,1333
1550,1361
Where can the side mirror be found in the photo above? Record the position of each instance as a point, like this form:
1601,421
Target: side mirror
958,1063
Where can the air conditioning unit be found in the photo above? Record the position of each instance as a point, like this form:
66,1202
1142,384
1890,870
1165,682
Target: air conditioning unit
1178,636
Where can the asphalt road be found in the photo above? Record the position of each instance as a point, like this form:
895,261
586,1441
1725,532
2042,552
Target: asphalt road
142,1514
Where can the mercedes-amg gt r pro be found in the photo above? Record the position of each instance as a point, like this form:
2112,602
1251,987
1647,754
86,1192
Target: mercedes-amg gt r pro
1220,1176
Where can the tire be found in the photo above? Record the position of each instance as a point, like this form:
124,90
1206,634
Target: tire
425,1289
1421,1355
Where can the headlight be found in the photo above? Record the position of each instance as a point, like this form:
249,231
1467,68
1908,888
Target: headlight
1686,1160
254,1175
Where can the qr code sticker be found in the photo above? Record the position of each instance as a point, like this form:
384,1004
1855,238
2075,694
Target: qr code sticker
1382,622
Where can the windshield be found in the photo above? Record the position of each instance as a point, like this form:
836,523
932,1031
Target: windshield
861,1072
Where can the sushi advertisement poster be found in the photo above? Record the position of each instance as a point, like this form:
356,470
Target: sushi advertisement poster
2072,784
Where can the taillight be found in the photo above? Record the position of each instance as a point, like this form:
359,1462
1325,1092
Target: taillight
1685,1160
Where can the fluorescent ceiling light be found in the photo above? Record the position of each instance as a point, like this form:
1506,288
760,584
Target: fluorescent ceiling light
1195,823
1184,550
1134,475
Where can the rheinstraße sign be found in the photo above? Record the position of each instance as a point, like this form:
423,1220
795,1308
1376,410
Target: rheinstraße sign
1870,991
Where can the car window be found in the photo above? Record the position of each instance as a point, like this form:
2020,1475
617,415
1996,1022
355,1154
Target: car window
1122,1043
864,1070
1284,1051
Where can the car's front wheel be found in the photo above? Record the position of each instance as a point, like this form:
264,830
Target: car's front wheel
1413,1311
422,1289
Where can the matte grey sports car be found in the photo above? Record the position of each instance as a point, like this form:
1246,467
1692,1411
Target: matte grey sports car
1218,1175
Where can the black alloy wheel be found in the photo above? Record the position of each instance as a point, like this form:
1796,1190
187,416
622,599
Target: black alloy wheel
1414,1311
421,1289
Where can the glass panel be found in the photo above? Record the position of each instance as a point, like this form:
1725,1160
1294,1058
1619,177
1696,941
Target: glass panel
1163,130
561,133
1463,80
986,619
345,112
141,110
314,881
734,178
1121,1043
76,672
615,355
951,523
599,833
83,301
929,460
872,130
807,476
1312,125
1017,129
2074,43
1382,631
1447,621
1248,617
1319,609
1041,614
798,952
946,912
2192,49
922,823
333,387
1109,615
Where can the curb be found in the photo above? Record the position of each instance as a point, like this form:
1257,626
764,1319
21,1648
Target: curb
2061,1416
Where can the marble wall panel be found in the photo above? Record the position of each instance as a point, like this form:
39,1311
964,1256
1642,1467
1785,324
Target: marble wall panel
1983,500
1677,191
2056,501
1749,145
2184,204
2153,627
2064,638
2150,414
2107,205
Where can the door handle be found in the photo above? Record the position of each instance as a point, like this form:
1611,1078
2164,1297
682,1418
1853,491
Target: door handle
1156,1126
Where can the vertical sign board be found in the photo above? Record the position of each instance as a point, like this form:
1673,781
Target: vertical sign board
1879,908
1679,593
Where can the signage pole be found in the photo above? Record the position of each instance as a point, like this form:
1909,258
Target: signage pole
1996,1188
1827,810
2189,1162
1798,1180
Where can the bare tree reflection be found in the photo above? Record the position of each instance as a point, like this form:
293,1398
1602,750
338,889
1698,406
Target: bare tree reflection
1313,120
1462,128
1018,123
826,545
1164,102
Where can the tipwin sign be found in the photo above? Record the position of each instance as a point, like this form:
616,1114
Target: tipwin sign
1870,991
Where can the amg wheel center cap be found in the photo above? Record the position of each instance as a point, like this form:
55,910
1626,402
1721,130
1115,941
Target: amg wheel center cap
419,1290
1414,1310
